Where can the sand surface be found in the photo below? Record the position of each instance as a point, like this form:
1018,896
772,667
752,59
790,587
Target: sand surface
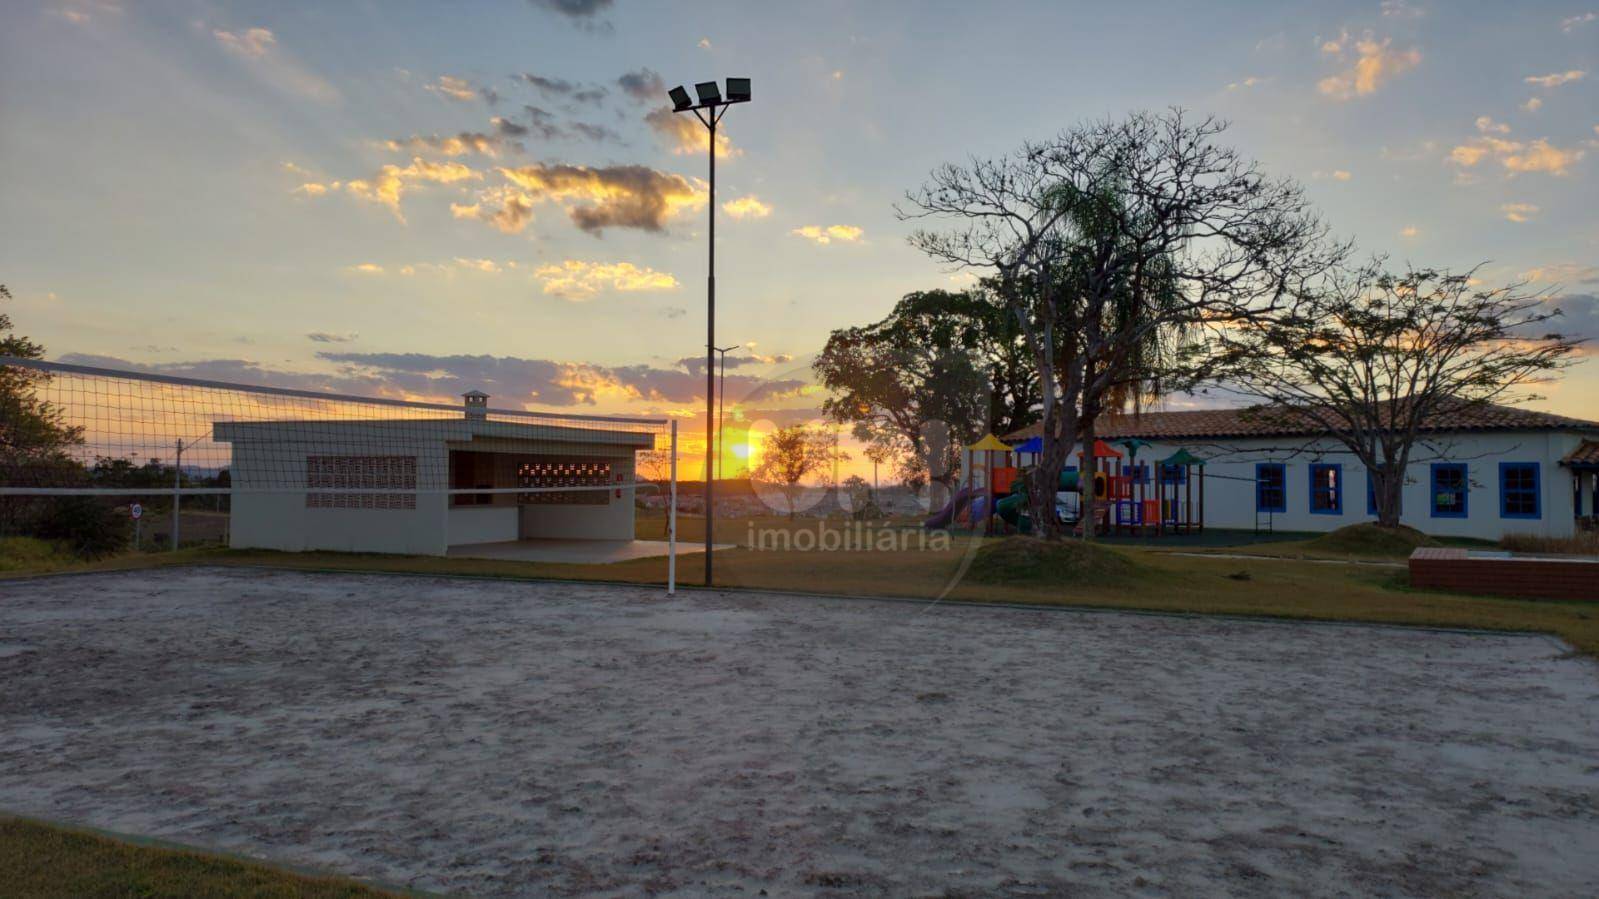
536,739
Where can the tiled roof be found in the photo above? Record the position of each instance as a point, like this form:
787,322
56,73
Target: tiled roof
1586,453
1264,422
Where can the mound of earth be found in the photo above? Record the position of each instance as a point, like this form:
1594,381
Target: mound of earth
1370,539
1027,560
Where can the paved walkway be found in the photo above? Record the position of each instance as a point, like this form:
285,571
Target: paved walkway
584,552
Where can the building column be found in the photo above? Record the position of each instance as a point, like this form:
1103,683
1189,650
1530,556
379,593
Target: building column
1591,494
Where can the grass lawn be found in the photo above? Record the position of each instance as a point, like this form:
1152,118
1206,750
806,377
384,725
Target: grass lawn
1284,587
27,554
40,860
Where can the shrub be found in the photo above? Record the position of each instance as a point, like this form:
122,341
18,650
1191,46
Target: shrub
30,553
1370,539
1029,560
86,526
1585,543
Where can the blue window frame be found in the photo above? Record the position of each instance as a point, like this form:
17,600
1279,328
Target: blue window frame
1450,490
1326,489
1371,495
1518,490
1271,487
1174,474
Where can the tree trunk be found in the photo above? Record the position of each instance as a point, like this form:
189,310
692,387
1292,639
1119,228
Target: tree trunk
1085,476
1386,488
1045,478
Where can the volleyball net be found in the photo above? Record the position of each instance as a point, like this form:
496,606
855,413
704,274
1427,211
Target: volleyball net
124,437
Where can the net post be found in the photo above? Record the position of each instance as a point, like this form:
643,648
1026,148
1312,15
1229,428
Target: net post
177,491
671,521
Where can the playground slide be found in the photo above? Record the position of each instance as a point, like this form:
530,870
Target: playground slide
945,516
1011,508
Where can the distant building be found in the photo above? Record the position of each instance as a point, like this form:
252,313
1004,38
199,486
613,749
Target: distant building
1480,471
378,485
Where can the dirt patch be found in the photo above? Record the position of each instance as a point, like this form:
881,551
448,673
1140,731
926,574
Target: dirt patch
1369,539
1026,560
498,738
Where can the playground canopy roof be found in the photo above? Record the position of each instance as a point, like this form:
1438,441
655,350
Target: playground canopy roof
1182,457
991,444
1102,450
1035,445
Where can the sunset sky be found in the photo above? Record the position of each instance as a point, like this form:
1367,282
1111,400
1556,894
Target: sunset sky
422,198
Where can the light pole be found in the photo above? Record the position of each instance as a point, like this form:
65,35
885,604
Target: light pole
721,397
710,96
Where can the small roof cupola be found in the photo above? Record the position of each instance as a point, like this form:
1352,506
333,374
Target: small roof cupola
476,403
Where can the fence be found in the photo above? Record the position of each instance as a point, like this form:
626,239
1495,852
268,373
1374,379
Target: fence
282,458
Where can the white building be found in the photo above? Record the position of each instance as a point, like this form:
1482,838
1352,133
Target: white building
1478,472
379,485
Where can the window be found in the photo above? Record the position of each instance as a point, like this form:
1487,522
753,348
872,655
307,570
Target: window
360,473
1371,494
1271,487
1327,489
545,473
1518,490
1449,490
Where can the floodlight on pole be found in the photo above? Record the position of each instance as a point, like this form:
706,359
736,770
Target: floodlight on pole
710,97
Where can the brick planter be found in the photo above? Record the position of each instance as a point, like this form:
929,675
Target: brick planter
1502,574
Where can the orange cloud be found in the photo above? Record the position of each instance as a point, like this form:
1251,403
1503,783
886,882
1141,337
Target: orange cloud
453,88
1556,79
391,182
828,234
1516,157
1375,63
747,207
578,280
506,208
685,135
624,196
491,145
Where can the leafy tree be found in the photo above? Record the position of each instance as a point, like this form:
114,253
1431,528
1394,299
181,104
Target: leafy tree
878,454
111,471
918,366
1111,240
1370,358
34,436
862,499
31,430
86,525
789,455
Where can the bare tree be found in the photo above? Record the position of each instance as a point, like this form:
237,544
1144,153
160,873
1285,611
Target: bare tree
1111,238
655,465
1372,360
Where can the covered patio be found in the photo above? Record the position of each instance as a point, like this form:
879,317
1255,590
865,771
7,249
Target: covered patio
1583,462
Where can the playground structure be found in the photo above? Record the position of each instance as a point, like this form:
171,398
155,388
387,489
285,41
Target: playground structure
1130,497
